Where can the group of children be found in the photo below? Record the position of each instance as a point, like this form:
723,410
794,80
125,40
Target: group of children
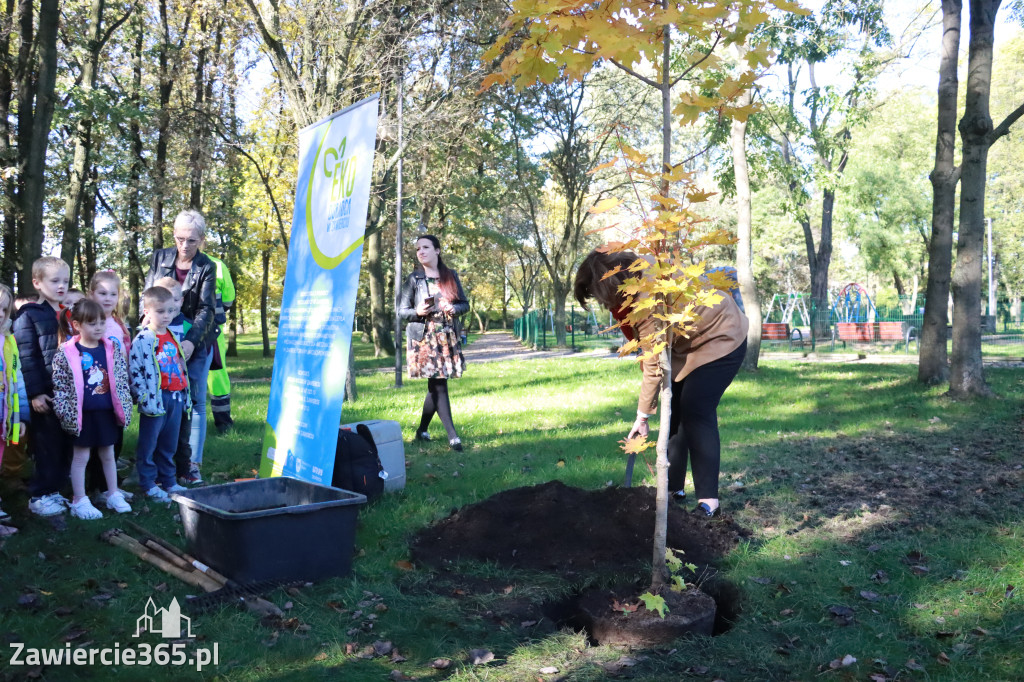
69,376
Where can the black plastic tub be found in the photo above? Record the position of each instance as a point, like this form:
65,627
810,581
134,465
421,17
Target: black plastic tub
271,528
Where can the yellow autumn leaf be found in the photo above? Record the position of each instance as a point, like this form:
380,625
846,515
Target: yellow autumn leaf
602,166
605,205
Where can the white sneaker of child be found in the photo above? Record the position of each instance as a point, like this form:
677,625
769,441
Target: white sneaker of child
116,501
175,488
83,509
157,494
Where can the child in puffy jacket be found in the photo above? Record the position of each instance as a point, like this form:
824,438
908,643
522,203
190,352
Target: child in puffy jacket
93,401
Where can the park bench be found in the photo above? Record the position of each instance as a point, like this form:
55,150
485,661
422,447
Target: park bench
780,331
896,332
860,332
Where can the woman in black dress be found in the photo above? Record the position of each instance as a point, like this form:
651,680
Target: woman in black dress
432,301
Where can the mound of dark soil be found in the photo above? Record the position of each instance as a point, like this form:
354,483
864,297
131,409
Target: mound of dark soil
552,527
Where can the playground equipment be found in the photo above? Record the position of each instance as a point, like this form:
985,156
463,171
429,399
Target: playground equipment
780,315
852,304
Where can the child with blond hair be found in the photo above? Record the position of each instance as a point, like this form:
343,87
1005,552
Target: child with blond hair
36,332
159,383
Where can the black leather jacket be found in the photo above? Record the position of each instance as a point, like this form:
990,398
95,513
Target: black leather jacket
198,292
414,291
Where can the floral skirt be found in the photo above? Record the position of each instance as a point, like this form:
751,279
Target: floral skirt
438,355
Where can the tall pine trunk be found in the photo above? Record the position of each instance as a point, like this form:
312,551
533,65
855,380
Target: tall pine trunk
932,365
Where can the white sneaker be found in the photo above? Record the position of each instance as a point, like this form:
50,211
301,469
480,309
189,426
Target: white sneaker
83,509
47,505
116,501
126,495
175,489
157,494
4,516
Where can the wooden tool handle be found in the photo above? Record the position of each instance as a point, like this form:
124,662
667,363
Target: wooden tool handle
129,543
208,583
191,560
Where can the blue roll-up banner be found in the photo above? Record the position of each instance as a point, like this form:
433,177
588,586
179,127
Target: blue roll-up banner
314,335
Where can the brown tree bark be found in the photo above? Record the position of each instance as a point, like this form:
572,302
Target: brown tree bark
967,373
83,137
744,243
932,365
264,303
34,139
8,155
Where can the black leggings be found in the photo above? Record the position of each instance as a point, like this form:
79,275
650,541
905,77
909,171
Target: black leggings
693,432
437,402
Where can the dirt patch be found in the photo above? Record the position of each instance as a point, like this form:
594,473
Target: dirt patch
555,528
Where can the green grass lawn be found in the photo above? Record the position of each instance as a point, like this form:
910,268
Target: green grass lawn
886,524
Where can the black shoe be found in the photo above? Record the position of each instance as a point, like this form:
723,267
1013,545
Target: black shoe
455,444
422,435
703,509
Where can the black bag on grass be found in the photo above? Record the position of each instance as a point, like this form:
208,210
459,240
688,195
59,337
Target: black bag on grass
357,466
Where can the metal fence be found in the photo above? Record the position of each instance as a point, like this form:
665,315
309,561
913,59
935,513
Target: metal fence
583,330
885,330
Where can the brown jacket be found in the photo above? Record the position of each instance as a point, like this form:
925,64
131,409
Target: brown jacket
721,330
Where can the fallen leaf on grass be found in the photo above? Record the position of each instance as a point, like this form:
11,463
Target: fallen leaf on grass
914,665
440,664
880,577
1009,591
942,658
161,587
527,623
337,606
398,675
322,656
29,600
548,670
382,648
73,634
934,420
844,562
919,570
397,657
869,595
480,656
981,632
404,565
786,612
842,615
843,662
350,648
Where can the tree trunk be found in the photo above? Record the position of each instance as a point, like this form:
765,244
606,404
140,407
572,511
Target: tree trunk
9,240
351,394
87,262
83,136
659,544
559,292
264,295
932,365
820,262
134,222
967,374
744,244
382,342
33,180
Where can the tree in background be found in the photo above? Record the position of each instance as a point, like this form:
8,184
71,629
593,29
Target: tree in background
815,122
